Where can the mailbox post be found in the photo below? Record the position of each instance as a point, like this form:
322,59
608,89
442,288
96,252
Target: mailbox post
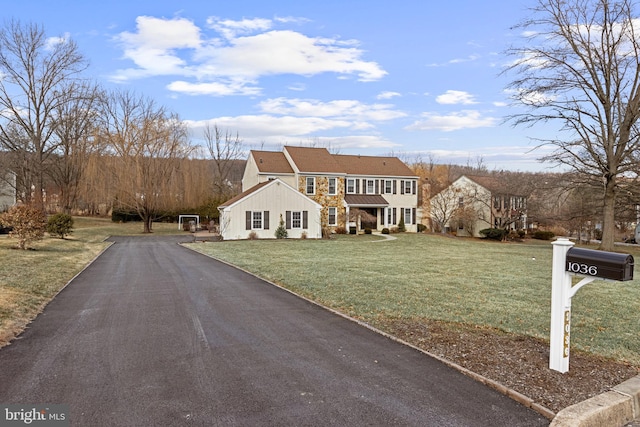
567,262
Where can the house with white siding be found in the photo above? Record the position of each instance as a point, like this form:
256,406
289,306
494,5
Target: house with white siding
352,191
8,191
260,209
472,203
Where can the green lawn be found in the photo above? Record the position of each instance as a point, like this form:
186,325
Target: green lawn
501,285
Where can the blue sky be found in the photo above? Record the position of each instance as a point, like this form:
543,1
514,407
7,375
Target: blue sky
366,77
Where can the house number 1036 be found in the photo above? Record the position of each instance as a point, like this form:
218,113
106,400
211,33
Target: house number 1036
575,267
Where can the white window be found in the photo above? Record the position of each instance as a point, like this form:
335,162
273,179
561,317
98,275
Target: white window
333,186
256,221
333,216
296,219
371,186
408,187
407,216
351,186
311,185
388,186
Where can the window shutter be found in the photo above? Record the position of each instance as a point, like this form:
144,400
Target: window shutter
394,186
415,187
377,189
401,187
248,220
357,181
305,219
395,217
413,214
288,220
265,220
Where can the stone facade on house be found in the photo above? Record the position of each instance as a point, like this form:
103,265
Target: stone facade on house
343,185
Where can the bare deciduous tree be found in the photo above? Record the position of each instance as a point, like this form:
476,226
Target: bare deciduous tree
75,120
224,149
580,66
34,71
148,146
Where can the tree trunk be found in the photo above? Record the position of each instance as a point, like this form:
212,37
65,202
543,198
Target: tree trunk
608,215
146,220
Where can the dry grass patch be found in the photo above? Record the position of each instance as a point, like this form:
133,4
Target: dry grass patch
31,278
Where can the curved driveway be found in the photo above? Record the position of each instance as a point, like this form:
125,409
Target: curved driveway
153,334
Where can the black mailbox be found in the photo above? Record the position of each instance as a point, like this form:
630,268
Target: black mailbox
607,265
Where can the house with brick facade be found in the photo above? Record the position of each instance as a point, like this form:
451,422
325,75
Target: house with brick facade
352,191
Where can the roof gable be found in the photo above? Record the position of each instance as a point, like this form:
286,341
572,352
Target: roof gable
315,160
271,162
261,187
373,165
319,160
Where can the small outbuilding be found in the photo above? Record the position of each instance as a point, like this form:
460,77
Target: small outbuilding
258,211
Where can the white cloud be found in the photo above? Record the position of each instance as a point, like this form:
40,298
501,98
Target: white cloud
53,41
264,126
153,48
248,49
298,87
467,119
219,88
469,58
345,108
231,29
451,97
269,131
388,95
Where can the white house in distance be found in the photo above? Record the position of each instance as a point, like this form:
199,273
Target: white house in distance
8,191
341,185
473,203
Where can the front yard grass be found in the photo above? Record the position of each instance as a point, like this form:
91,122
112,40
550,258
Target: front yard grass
30,278
499,285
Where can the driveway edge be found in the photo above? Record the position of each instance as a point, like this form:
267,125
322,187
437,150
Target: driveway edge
518,397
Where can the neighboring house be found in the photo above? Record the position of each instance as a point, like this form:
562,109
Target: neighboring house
473,203
259,210
8,191
353,191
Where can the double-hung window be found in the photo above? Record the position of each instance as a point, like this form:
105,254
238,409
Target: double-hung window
408,187
296,219
333,186
311,185
407,216
256,220
371,186
351,186
333,216
388,186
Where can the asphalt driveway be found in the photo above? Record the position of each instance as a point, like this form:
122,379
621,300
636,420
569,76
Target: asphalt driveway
153,334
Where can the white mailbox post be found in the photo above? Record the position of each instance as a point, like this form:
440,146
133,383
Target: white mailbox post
568,262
